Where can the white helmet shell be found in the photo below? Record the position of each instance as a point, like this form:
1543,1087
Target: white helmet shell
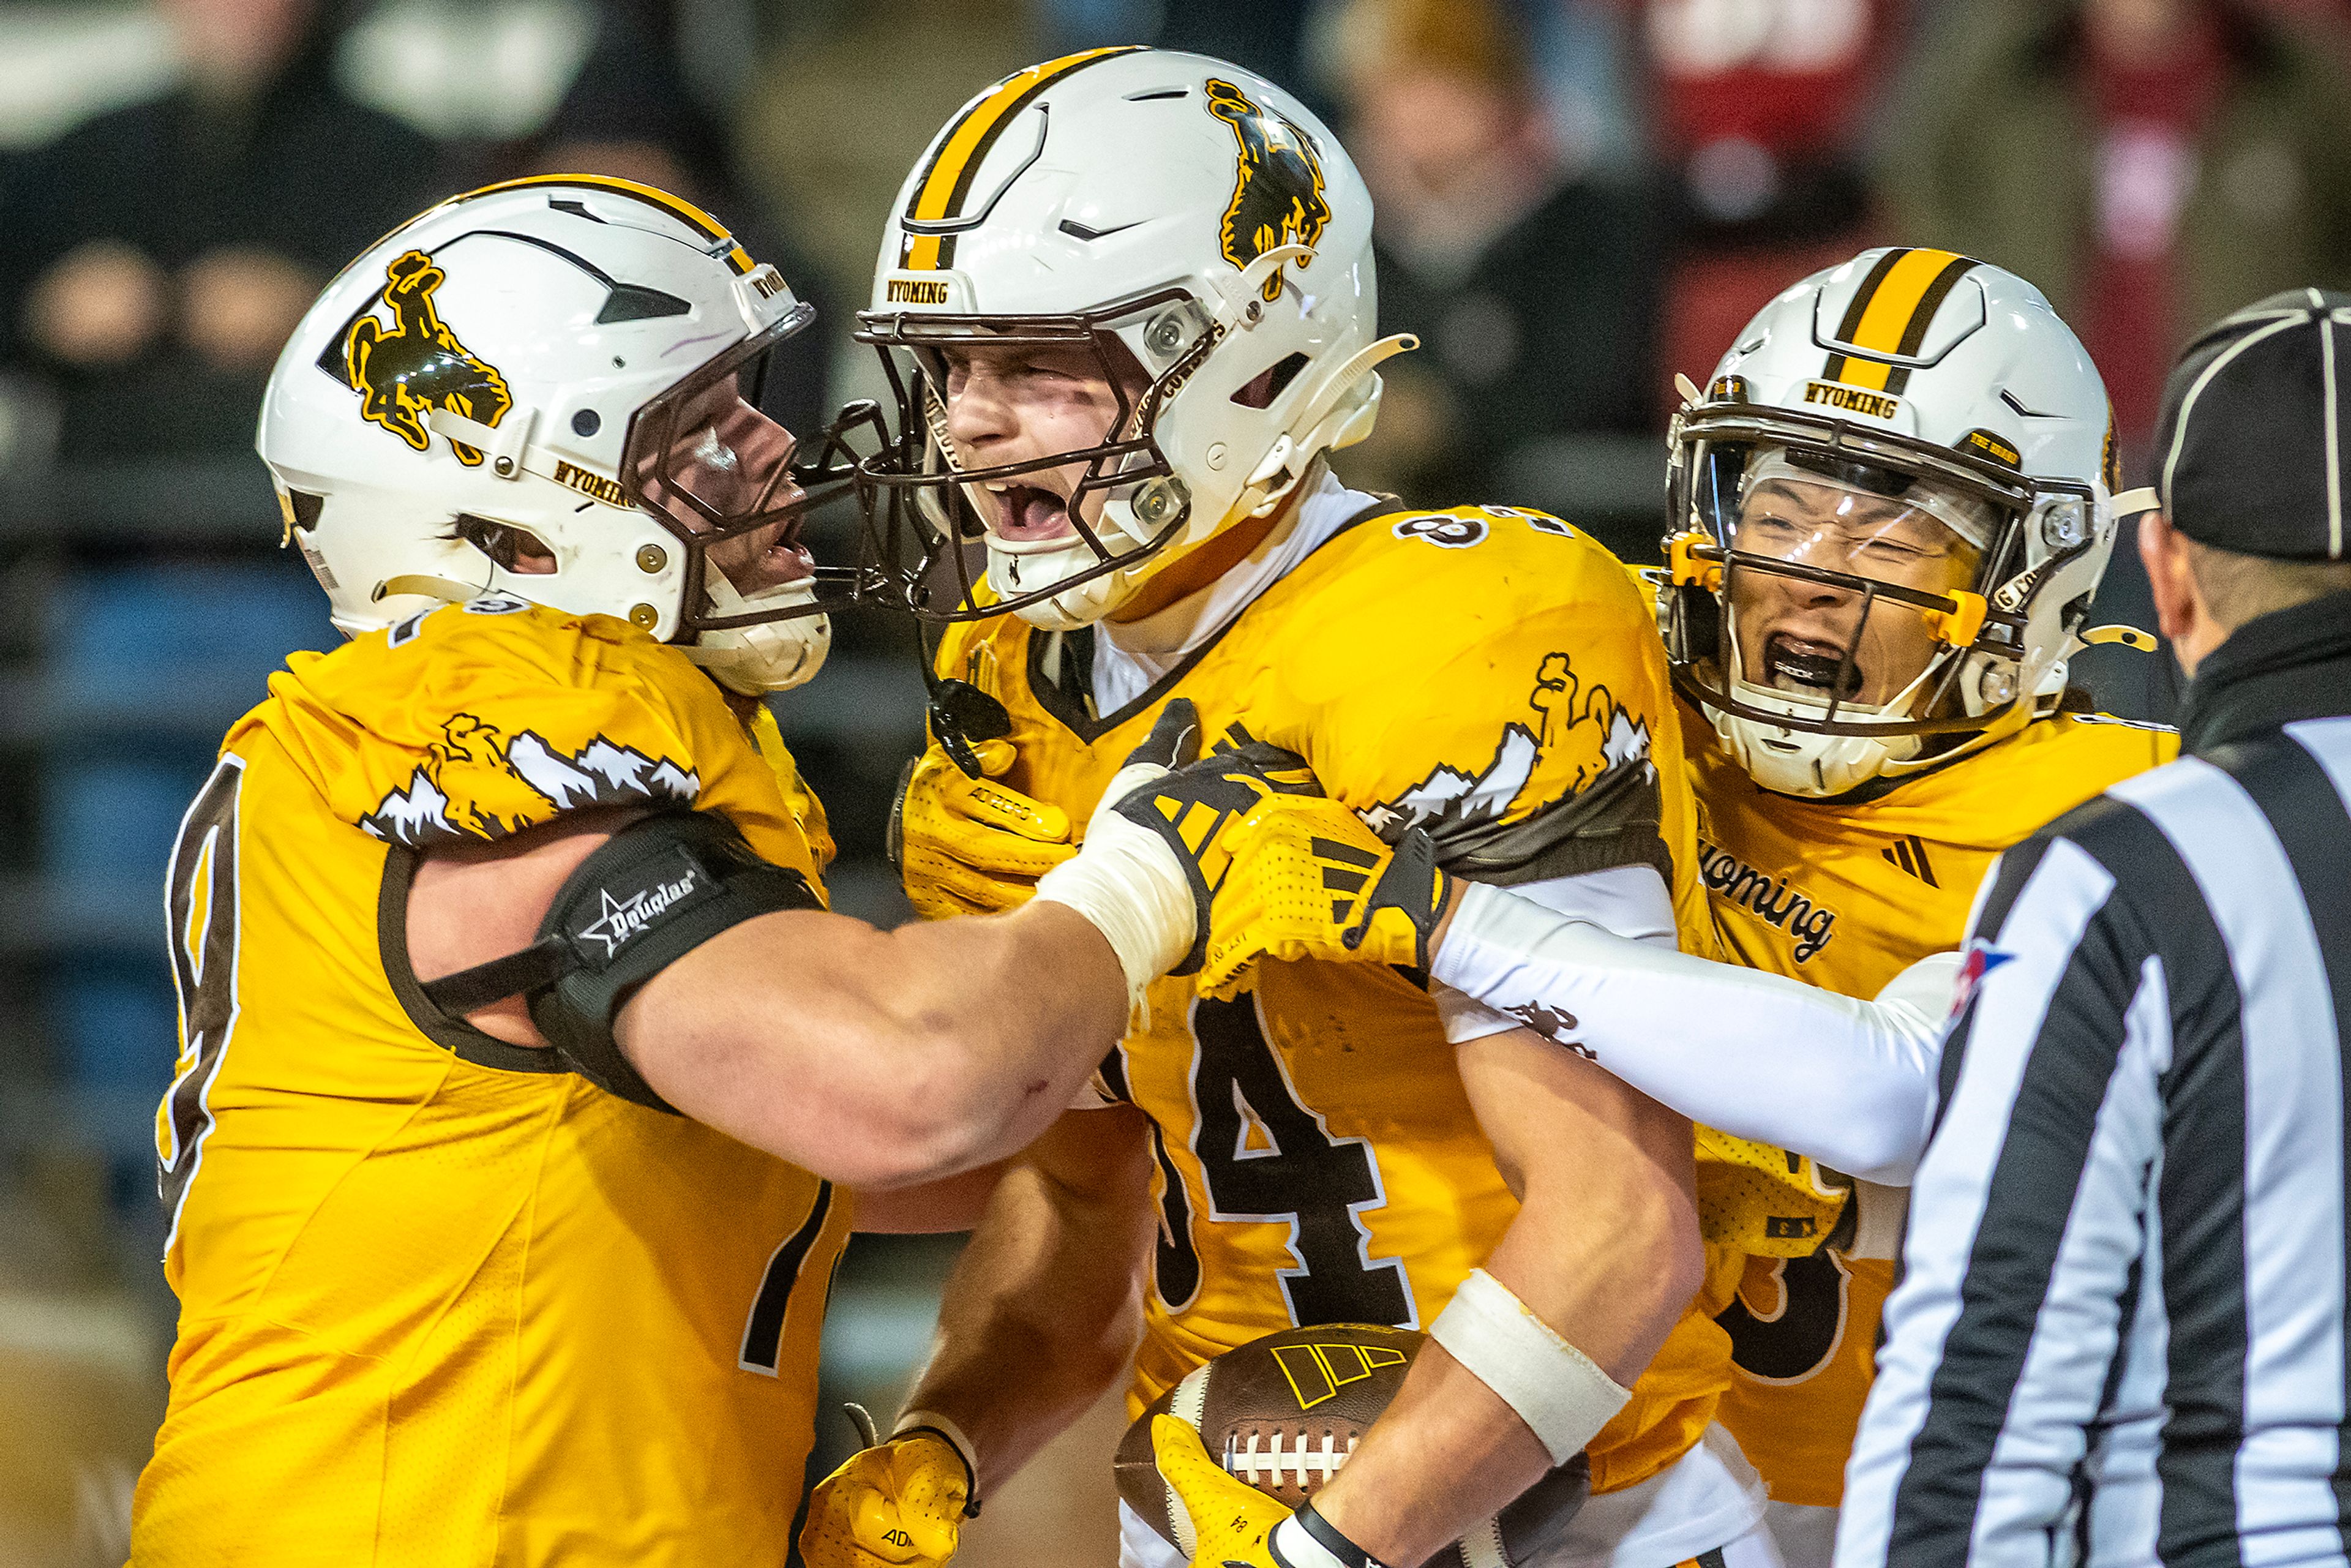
1194,211
1937,368
490,360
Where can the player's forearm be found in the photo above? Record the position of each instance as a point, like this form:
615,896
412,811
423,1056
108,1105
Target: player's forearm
1603,1255
877,1057
1450,1451
1041,1312
1446,1453
1849,1082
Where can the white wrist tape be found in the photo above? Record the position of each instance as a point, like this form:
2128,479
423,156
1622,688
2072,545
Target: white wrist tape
1557,1390
932,1420
1126,880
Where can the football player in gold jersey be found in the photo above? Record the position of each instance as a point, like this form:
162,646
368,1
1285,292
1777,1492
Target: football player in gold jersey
1129,299
520,1059
1893,505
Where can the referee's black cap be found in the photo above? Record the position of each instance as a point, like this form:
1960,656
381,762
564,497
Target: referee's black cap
2254,444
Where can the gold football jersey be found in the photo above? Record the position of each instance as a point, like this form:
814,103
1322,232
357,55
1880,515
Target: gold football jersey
439,1301
1847,895
1319,1160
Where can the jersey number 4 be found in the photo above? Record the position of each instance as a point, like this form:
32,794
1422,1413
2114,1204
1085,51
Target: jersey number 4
1265,1158
200,900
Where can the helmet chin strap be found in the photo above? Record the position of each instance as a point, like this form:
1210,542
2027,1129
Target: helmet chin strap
1804,762
1342,393
447,590
766,656
1800,762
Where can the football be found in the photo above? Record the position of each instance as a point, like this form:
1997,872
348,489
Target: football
1284,1412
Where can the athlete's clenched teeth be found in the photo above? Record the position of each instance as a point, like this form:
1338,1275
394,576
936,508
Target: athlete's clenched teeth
1796,664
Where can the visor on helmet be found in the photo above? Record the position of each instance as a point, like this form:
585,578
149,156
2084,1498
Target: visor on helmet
924,510
1822,643
1834,580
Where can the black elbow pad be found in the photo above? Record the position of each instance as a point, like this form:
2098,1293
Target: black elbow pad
650,895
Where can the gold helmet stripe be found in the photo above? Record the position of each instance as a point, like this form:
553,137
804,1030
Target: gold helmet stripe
1890,314
965,143
683,211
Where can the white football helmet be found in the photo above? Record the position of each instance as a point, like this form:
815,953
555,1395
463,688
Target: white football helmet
575,359
1160,210
1907,460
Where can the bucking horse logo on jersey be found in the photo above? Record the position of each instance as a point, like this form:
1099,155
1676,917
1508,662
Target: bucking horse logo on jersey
1278,193
404,374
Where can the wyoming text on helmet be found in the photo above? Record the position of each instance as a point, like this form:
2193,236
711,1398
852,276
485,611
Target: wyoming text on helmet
1190,233
1889,510
550,388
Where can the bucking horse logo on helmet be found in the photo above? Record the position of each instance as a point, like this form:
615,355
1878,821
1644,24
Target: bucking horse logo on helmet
1278,193
418,365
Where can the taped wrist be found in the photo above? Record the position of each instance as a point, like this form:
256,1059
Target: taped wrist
1132,888
1557,1390
647,896
1307,1539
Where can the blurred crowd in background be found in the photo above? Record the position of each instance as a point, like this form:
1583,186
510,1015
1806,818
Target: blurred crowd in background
1577,199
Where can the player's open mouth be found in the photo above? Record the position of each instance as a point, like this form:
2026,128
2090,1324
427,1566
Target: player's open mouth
753,564
1802,664
1026,514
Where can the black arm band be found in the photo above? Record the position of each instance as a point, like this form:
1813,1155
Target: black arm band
1326,1535
647,896
1612,823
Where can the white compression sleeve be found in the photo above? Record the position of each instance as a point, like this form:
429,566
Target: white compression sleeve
1850,1082
1633,901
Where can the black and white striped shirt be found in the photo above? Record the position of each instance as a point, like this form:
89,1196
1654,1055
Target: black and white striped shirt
2121,1333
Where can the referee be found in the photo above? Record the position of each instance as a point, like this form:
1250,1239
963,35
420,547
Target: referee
2121,1337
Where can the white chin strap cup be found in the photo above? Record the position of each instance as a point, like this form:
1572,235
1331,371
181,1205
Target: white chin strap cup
766,656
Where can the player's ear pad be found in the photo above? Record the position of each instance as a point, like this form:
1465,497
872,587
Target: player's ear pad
1284,1412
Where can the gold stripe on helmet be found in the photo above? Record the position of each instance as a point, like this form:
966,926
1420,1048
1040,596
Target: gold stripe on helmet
1886,321
1891,312
966,142
685,211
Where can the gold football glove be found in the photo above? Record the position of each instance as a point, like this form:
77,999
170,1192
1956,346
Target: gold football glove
1231,1518
1194,803
970,846
899,1504
1308,880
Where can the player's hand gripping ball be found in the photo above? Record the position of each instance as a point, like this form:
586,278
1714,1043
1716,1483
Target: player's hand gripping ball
899,1504
968,845
1226,1455
1229,1523
1309,880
